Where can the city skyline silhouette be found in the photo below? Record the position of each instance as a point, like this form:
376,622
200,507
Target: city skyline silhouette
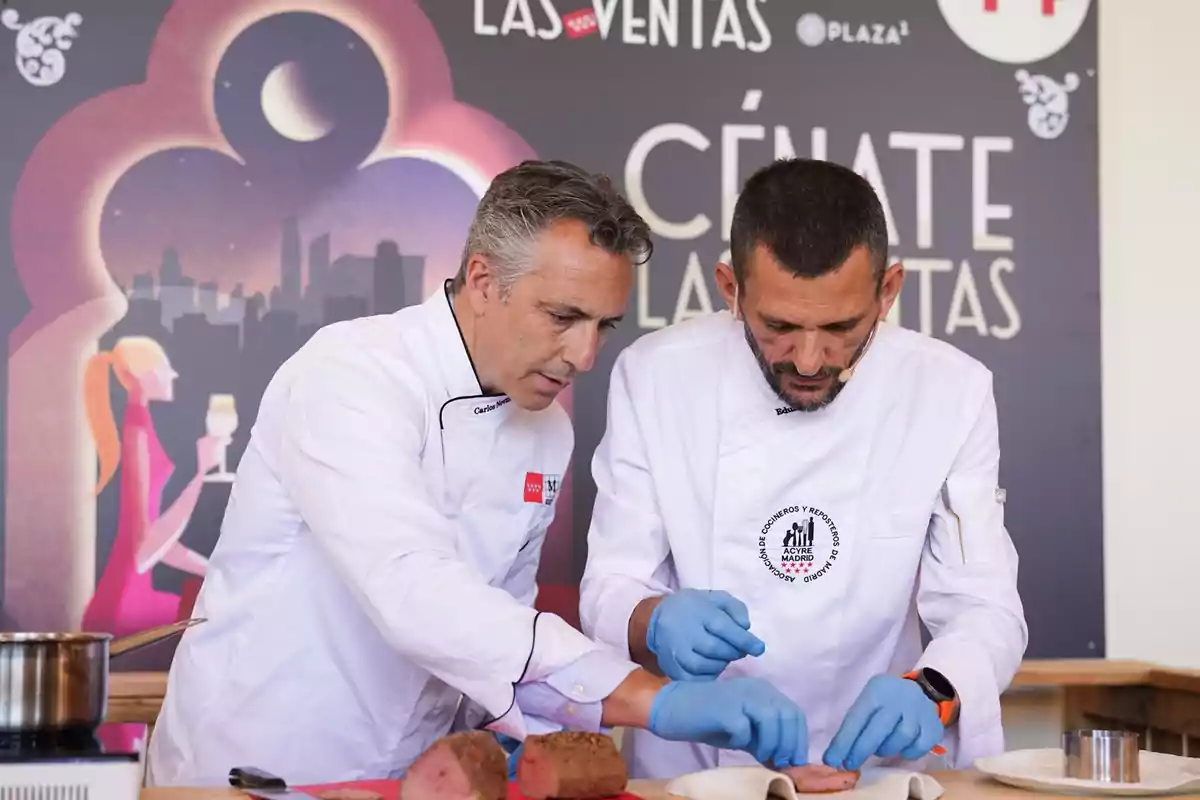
225,342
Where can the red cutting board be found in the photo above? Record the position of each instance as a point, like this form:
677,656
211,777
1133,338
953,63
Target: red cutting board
390,790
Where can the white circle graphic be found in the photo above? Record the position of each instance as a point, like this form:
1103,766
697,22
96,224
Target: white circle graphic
1015,31
811,29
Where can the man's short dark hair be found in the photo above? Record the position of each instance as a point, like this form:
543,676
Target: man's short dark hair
810,214
524,200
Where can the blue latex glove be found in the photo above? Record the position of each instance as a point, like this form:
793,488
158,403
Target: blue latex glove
513,748
892,716
695,633
746,714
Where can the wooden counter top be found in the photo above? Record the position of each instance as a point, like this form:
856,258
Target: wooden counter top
1054,673
1066,672
135,696
1161,704
958,786
131,690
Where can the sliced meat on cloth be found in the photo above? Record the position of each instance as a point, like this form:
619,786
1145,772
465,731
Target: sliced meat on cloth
571,765
461,766
759,783
818,778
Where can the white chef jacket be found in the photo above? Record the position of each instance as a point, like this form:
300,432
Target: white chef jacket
377,562
840,529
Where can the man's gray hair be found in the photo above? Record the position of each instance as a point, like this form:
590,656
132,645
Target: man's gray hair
525,200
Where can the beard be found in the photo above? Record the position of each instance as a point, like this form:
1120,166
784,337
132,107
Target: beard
775,375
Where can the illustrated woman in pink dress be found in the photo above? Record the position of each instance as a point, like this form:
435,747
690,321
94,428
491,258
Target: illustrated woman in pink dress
125,600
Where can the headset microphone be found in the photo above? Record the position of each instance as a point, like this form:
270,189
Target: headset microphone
848,373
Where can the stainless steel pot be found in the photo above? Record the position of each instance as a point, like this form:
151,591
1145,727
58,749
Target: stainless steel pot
52,682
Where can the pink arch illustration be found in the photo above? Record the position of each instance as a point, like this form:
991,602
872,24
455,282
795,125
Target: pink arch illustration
50,518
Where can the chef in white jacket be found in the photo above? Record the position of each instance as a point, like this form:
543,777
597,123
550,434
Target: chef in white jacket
378,557
823,479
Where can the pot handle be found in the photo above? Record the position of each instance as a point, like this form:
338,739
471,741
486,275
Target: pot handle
136,641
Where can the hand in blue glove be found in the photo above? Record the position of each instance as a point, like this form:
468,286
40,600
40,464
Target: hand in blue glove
892,716
695,633
738,714
513,748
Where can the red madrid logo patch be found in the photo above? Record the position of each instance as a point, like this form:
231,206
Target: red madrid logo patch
541,489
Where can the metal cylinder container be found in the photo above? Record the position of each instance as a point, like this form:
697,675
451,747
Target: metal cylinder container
1107,756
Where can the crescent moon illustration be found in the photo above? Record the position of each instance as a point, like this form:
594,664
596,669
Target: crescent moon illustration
288,106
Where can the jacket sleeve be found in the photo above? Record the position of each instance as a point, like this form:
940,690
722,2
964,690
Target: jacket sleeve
628,551
352,441
967,592
572,698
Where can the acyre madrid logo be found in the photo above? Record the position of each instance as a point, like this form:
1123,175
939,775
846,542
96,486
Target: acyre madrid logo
799,543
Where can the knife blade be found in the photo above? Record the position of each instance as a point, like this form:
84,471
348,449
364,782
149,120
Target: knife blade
262,784
279,794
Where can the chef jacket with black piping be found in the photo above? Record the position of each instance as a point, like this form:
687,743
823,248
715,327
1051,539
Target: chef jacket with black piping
375,575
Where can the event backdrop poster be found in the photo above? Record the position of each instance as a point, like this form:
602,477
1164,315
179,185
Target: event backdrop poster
190,189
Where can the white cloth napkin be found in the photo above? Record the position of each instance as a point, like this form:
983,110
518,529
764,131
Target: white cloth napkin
760,783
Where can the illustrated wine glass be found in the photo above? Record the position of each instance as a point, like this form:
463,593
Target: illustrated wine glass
221,421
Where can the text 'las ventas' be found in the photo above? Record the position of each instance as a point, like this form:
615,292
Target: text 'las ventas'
694,24
961,293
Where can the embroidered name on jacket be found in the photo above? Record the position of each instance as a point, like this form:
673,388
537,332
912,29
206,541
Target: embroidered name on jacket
491,406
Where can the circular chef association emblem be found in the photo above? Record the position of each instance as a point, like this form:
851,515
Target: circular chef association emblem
799,544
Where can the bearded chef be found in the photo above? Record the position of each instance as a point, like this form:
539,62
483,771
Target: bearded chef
373,585
819,478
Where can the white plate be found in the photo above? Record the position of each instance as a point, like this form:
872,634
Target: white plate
1042,771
